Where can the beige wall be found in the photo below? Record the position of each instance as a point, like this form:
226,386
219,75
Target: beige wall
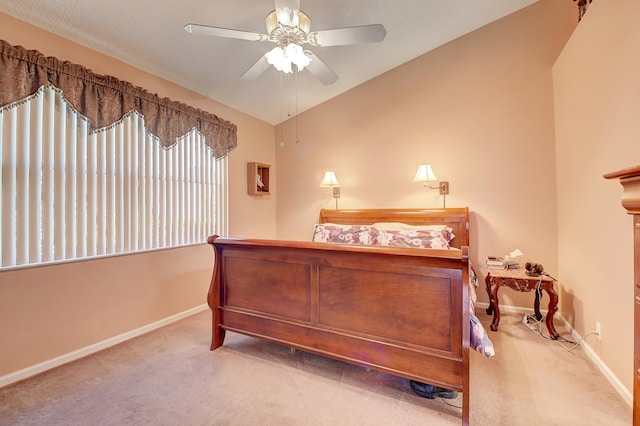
50,311
479,109
597,92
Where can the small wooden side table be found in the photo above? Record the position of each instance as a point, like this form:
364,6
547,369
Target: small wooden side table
518,279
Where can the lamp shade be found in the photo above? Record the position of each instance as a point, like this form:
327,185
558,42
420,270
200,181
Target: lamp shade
329,180
425,174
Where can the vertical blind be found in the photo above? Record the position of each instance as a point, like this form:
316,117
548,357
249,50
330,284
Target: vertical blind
69,194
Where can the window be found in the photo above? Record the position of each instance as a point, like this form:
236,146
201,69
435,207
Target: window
67,194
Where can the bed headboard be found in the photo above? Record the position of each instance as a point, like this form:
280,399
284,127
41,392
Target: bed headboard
456,218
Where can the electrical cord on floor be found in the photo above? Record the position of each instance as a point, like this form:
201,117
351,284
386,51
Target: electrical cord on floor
449,404
535,325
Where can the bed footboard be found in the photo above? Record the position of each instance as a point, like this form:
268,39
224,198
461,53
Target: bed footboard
400,311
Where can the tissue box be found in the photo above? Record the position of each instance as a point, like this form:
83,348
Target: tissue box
512,262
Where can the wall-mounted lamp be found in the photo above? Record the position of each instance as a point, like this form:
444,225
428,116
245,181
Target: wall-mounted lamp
425,175
330,181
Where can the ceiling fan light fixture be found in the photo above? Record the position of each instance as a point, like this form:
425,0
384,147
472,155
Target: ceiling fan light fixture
297,55
304,22
288,18
287,13
282,59
271,21
276,58
300,30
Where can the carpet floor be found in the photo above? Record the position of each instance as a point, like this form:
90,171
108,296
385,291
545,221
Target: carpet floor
169,377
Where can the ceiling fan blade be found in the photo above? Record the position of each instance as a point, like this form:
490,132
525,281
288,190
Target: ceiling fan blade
224,32
352,35
256,69
319,70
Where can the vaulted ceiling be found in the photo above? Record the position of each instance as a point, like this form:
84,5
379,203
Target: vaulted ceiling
150,35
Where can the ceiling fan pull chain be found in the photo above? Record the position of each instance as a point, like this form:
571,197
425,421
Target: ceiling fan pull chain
296,110
281,108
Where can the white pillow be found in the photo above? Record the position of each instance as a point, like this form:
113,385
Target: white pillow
398,226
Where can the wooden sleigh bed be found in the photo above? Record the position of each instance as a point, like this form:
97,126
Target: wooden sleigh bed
402,311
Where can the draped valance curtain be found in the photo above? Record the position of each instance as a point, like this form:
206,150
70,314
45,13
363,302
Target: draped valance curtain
105,100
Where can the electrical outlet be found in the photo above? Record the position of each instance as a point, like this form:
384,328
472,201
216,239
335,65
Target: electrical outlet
599,330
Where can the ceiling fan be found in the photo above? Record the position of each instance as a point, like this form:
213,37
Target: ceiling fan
290,28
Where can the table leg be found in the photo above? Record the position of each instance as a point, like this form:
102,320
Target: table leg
536,305
487,281
553,307
492,289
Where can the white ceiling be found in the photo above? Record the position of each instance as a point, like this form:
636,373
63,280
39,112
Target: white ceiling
149,34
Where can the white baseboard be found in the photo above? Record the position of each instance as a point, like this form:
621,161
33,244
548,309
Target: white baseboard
88,350
617,384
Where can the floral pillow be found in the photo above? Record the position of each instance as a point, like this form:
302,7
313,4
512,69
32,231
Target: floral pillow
479,340
413,239
344,234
